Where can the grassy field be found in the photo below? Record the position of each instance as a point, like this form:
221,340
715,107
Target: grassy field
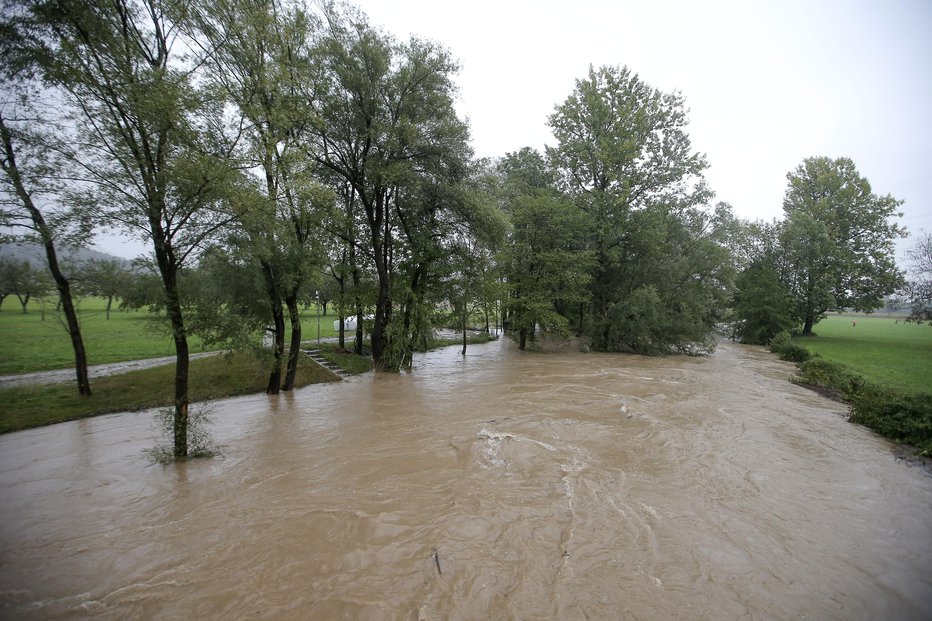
38,341
887,351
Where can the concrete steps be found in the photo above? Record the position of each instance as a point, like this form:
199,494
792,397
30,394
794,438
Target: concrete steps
315,355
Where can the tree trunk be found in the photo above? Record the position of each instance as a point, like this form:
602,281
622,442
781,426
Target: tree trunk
465,313
379,337
807,326
23,302
182,364
522,338
169,270
357,302
278,319
109,303
295,348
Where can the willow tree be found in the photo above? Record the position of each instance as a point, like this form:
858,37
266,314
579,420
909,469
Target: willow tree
624,156
385,124
839,239
144,134
260,53
32,201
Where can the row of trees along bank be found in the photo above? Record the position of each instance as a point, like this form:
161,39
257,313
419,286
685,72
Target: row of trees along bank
260,145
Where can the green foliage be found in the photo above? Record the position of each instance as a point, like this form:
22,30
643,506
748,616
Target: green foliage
838,239
833,377
661,265
782,344
903,418
762,305
545,263
200,443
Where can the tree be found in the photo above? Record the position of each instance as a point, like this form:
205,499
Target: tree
147,133
625,158
8,275
918,290
386,126
260,55
22,280
28,164
545,263
839,240
103,278
762,305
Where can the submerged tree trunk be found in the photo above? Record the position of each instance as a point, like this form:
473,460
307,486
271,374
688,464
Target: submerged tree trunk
295,348
168,268
465,318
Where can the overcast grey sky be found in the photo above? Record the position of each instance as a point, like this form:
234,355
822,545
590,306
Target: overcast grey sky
767,83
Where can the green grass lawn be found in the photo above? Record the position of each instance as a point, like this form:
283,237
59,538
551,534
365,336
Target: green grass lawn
889,352
38,341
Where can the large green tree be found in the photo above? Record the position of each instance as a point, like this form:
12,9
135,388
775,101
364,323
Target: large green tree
146,133
546,264
387,127
624,156
838,237
260,54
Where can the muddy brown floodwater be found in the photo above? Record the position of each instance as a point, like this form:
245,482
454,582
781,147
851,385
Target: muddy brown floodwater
496,486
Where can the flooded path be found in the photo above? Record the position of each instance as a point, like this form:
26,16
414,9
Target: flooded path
496,486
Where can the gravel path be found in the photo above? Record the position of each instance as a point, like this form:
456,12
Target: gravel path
99,370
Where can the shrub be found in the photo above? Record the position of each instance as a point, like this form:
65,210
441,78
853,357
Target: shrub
903,418
782,345
831,375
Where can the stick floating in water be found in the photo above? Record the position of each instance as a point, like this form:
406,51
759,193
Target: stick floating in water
436,558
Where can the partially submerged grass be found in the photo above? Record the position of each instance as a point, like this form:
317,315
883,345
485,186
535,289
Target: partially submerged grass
350,363
210,378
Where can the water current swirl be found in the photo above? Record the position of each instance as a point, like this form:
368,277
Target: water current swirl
499,485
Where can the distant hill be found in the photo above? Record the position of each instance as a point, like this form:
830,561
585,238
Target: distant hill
35,254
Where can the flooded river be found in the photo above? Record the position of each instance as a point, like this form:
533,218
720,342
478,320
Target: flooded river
501,485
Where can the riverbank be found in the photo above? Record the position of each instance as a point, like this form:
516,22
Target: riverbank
126,388
211,377
904,416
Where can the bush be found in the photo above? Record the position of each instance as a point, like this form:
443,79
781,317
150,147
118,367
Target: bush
903,418
782,345
834,376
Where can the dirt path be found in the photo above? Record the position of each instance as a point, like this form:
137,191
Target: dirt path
98,370
59,376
